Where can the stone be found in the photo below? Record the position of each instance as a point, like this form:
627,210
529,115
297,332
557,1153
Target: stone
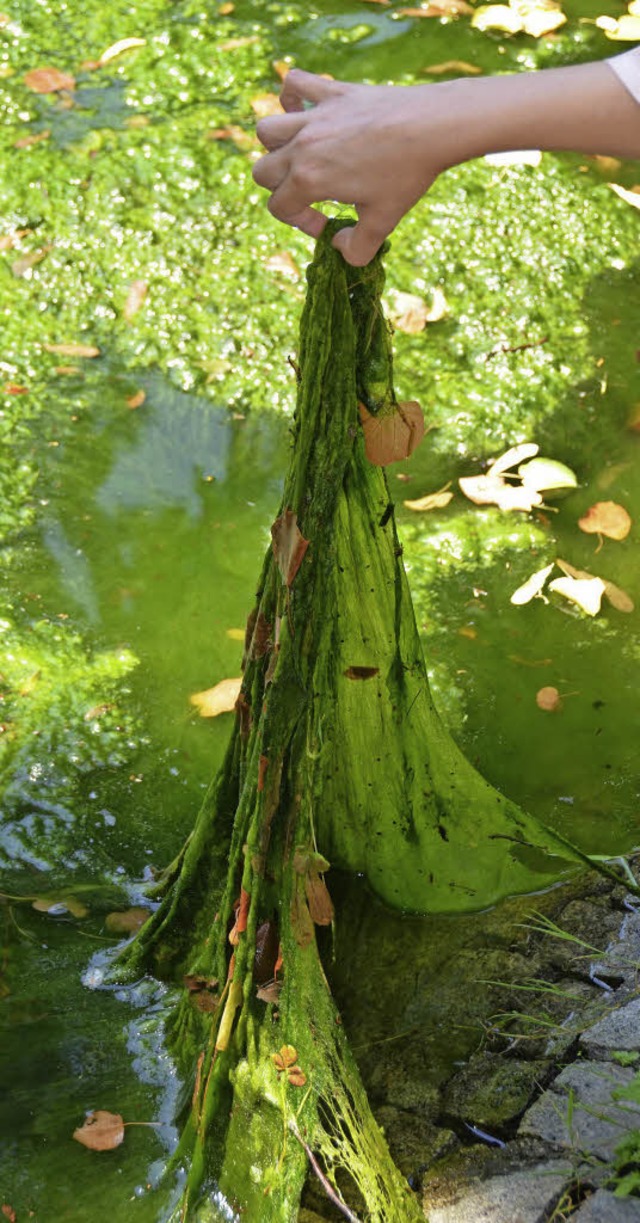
619,1029
622,957
603,1207
528,1196
491,1090
578,1112
413,1141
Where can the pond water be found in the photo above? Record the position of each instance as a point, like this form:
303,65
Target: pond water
134,535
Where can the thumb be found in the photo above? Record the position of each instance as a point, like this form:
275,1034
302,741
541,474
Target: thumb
359,243
300,87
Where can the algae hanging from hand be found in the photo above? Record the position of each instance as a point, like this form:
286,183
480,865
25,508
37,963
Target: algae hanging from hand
338,756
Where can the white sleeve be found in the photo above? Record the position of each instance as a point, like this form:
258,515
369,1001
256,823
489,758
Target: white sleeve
627,69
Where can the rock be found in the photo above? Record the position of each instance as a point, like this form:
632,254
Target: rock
413,1141
620,1029
578,1111
528,1196
622,957
603,1207
490,1090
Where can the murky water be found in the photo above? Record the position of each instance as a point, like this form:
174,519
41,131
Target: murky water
146,536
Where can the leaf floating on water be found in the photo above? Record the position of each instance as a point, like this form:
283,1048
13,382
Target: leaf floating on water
497,17
433,501
135,299
606,518
243,140
73,350
57,906
219,699
101,1131
118,48
547,474
618,598
452,65
541,19
264,104
548,699
493,490
532,586
586,593
126,921
630,197
136,400
512,457
393,435
289,545
48,80
625,29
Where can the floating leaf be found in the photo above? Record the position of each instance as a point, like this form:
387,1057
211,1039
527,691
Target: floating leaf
493,490
264,104
586,593
135,298
631,197
625,29
126,921
606,518
101,1131
548,699
432,501
409,313
497,17
285,1057
48,80
452,65
532,586
547,474
73,350
541,20
283,263
296,1077
118,48
219,699
25,142
243,140
512,457
136,400
618,598
289,545
236,634
58,905
393,435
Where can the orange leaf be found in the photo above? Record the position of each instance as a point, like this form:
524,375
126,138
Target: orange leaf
242,140
289,545
101,1131
48,80
135,298
285,1057
219,699
452,65
127,921
548,699
296,1076
393,435
264,104
136,400
606,518
25,142
8,1212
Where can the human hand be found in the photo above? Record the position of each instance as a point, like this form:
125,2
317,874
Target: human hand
366,145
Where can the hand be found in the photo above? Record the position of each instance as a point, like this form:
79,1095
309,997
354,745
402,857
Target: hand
366,145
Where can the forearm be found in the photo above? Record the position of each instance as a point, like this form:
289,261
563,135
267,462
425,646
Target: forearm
585,108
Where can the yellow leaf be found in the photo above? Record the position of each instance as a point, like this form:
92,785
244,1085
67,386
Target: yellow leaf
219,699
631,197
264,104
586,593
625,29
606,518
540,21
73,350
532,586
497,17
123,44
236,634
452,65
433,501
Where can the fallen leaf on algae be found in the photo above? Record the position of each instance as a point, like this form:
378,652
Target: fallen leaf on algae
606,518
586,593
284,264
630,197
548,699
118,48
57,906
138,290
48,80
126,921
289,545
219,699
618,598
432,501
452,65
410,314
491,489
512,457
136,400
497,17
545,475
285,1057
297,1077
243,140
101,1131
393,435
532,586
625,29
73,350
264,104
542,19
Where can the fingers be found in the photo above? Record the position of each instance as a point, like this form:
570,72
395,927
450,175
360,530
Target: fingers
276,130
271,170
309,220
359,243
300,87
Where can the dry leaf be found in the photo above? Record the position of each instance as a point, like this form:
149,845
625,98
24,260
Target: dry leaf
195,983
625,29
532,586
631,197
512,457
432,501
243,140
586,593
283,262
393,435
361,672
270,992
493,490
264,104
497,17
219,699
541,20
126,921
452,65
318,899
546,475
296,1076
606,518
548,699
618,598
26,262
410,313
123,44
136,400
135,298
285,1057
289,545
25,142
48,80
101,1131
282,67
73,350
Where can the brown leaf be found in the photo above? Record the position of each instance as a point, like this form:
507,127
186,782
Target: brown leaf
242,140
289,545
618,598
136,400
195,984
101,1131
283,66
7,1210
25,142
318,899
452,65
73,350
432,501
138,290
26,262
269,992
297,1077
48,80
548,699
361,672
606,518
219,699
393,435
285,1057
264,104
126,921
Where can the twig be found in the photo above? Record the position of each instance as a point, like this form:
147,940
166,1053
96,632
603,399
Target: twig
503,348
326,1185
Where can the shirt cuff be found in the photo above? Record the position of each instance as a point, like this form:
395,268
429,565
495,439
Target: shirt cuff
627,69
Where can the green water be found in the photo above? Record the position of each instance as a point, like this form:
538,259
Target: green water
133,537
